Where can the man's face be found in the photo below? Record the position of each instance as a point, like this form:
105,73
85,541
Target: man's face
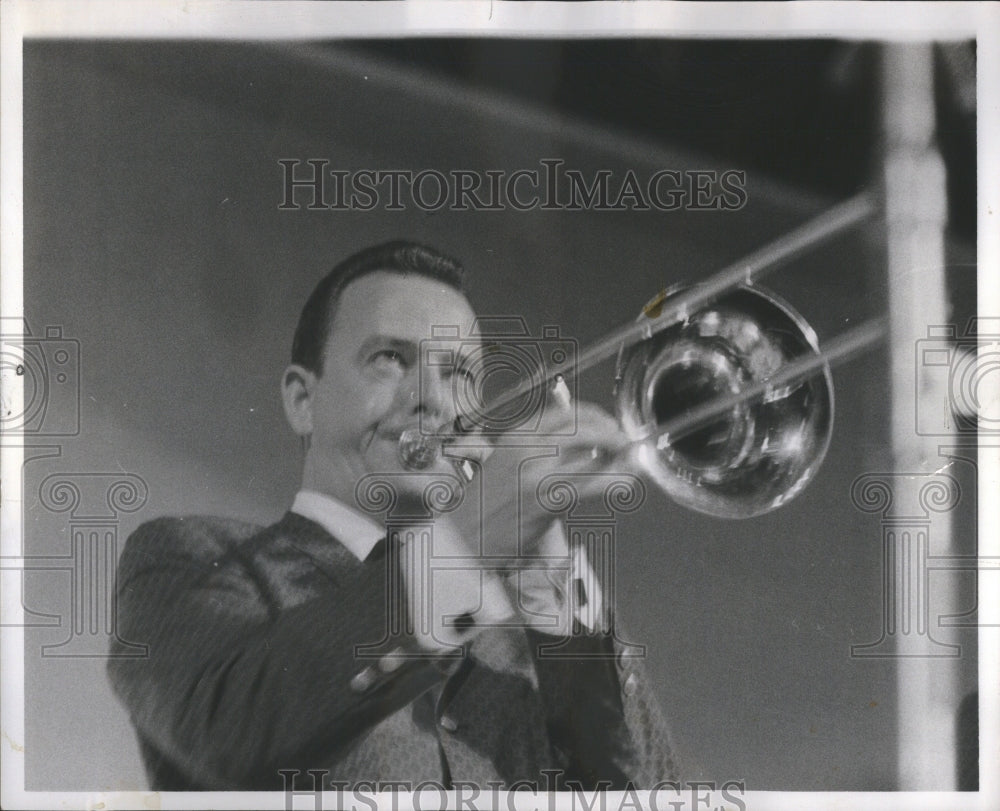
372,387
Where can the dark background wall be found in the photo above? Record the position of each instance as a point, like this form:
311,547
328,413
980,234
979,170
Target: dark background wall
153,237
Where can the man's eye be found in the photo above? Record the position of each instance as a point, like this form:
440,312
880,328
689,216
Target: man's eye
388,359
463,372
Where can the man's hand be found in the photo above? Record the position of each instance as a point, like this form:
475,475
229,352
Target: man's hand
501,515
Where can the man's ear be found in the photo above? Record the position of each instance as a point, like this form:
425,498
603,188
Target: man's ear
297,387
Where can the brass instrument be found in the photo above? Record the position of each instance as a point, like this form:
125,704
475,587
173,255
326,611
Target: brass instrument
760,452
721,386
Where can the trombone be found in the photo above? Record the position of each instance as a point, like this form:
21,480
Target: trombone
721,386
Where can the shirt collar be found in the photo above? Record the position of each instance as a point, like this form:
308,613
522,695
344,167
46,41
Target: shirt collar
355,531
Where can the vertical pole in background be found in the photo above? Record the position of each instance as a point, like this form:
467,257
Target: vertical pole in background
916,213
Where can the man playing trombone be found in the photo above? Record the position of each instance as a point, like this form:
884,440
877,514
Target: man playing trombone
320,642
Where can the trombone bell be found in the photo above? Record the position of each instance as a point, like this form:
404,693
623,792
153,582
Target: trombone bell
759,453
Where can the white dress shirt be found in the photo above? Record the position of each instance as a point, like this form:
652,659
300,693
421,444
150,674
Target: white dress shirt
450,597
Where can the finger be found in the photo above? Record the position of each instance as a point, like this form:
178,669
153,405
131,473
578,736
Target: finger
475,448
392,661
559,397
579,416
593,459
592,428
608,437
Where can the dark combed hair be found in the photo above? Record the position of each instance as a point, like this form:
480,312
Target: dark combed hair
398,256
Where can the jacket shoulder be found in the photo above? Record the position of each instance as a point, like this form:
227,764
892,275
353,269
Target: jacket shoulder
198,538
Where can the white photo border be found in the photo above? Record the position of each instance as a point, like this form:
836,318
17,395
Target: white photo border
263,19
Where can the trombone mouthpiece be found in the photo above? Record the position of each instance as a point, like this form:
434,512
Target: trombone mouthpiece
417,450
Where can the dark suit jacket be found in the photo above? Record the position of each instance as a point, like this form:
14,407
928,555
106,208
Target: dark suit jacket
253,637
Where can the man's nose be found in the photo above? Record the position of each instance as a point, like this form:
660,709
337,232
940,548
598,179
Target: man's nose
432,394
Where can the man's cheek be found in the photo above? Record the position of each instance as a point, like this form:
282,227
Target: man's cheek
379,404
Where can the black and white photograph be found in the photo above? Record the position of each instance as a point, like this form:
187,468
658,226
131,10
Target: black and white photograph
500,405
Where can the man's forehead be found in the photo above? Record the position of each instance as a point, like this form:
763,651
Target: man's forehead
407,307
